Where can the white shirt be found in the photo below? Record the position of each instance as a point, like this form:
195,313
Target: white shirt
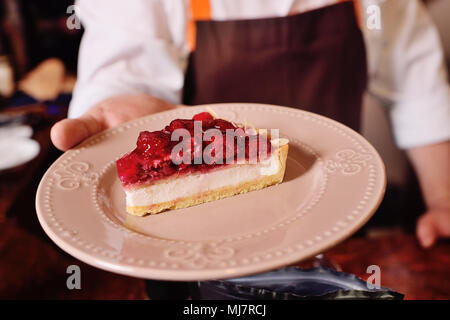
140,46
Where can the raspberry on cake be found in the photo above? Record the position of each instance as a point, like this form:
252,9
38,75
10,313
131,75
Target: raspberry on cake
192,161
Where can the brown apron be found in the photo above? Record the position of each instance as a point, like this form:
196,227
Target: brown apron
313,61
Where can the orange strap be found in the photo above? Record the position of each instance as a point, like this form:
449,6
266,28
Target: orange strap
201,10
357,6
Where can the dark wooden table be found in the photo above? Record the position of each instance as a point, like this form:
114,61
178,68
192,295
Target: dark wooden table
31,266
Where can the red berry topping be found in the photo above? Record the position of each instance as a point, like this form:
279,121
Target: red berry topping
181,124
152,158
223,125
153,143
203,116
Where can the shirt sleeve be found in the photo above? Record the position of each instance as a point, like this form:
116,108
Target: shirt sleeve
130,47
407,71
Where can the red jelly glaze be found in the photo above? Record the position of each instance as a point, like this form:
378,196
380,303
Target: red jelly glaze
151,160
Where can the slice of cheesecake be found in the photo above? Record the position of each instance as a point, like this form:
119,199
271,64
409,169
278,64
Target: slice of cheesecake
165,172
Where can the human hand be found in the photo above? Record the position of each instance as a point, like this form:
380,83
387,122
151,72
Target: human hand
432,165
433,224
107,114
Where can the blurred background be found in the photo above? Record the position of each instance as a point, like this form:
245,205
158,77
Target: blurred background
38,62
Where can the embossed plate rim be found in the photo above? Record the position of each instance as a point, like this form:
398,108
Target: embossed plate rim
72,241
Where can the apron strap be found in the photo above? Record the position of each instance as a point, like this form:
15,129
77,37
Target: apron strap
199,10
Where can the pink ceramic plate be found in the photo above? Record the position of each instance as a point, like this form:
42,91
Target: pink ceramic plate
334,182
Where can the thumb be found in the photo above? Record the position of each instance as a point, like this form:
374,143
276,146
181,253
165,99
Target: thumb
69,132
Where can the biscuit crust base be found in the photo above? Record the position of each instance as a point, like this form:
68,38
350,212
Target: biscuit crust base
212,195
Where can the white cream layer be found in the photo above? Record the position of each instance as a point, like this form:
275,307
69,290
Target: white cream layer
192,184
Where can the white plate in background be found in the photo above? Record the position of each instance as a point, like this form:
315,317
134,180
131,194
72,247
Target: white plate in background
22,131
16,151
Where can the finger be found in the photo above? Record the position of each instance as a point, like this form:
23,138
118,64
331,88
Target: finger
426,231
69,132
